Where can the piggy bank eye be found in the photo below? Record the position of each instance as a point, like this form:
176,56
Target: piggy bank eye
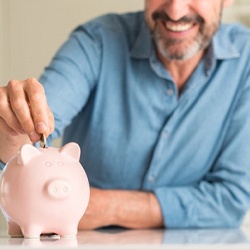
47,164
60,163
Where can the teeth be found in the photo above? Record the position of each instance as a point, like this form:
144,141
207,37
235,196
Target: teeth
178,27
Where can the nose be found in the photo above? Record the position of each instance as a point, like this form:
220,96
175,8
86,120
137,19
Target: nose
59,189
176,9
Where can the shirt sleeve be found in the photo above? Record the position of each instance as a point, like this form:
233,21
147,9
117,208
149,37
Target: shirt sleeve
222,197
72,74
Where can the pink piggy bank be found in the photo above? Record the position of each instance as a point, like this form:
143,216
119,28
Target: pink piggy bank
44,191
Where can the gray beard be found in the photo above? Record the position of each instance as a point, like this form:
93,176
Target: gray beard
201,42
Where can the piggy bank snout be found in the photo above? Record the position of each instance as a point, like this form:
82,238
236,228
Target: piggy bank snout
59,189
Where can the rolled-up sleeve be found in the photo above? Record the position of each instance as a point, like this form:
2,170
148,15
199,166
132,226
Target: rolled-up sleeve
222,197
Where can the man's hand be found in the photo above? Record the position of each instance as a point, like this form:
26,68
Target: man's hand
130,209
24,116
24,109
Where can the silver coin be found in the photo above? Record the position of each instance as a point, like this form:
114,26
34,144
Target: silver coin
43,141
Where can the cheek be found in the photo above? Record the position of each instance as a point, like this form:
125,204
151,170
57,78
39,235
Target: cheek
150,7
210,10
153,5
148,14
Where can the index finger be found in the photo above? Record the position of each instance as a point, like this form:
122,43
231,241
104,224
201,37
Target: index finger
25,97
38,105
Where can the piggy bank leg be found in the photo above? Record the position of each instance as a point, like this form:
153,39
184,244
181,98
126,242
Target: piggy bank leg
70,231
14,230
32,231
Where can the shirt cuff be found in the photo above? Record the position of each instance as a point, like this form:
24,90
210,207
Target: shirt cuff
2,165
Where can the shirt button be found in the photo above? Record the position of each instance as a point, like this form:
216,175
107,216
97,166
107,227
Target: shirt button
165,134
151,179
170,92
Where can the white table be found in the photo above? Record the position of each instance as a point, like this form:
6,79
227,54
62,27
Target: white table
115,239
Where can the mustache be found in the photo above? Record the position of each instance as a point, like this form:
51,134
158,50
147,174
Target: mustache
186,19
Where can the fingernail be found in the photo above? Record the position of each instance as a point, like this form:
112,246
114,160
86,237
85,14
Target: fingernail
41,127
34,137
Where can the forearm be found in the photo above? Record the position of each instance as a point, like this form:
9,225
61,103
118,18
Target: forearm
135,209
131,209
9,145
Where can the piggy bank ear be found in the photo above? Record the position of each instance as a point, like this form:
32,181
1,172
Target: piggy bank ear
26,153
72,149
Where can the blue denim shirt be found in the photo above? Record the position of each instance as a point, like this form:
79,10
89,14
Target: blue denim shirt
106,86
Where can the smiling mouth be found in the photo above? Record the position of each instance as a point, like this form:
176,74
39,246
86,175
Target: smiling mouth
178,27
183,24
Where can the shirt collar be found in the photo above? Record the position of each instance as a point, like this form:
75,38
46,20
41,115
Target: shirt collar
223,48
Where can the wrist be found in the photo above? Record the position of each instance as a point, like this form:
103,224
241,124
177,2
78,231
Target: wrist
9,145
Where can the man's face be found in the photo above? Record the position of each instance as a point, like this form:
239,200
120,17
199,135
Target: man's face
181,28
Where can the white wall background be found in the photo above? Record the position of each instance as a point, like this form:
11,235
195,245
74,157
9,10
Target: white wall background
32,30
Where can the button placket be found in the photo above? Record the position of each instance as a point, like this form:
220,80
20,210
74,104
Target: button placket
152,175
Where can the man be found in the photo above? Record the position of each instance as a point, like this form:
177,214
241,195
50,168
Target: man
160,109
